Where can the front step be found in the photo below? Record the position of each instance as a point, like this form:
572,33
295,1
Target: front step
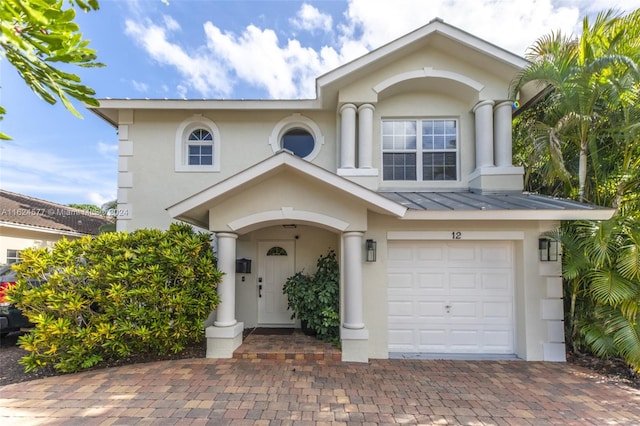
295,346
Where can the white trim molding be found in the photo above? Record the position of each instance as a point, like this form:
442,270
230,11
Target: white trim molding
457,235
196,121
297,121
287,213
428,72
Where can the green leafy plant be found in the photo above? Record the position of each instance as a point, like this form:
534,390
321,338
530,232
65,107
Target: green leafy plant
115,295
36,36
315,299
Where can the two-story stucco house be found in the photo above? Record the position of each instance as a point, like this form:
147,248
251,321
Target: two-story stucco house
402,164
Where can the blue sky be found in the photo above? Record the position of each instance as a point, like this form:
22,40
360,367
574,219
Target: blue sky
261,49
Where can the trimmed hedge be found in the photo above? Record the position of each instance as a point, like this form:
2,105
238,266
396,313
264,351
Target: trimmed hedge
114,295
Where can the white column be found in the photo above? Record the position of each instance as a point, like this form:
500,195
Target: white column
226,311
348,136
353,280
365,136
484,133
502,134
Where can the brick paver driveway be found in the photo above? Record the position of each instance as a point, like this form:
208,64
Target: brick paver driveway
219,392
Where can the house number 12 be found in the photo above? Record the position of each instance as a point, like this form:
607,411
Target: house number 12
456,235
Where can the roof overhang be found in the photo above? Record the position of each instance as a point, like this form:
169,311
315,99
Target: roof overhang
109,108
32,228
195,209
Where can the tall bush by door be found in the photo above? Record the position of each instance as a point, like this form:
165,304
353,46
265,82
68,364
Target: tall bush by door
315,299
114,295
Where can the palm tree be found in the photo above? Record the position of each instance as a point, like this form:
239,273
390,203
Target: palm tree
587,125
577,75
601,266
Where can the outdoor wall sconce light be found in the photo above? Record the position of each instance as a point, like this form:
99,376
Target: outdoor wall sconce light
548,249
243,266
371,247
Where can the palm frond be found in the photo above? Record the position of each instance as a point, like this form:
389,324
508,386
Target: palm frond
610,287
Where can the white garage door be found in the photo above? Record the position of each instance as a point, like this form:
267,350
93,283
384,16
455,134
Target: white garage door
451,297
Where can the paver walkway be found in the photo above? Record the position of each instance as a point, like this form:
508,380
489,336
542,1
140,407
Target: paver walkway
277,392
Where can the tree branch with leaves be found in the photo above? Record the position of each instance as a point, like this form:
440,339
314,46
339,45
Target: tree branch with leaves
37,37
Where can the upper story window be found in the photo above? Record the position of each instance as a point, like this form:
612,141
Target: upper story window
298,141
197,146
200,147
420,150
298,134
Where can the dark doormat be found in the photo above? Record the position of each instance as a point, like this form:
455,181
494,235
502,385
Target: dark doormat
269,331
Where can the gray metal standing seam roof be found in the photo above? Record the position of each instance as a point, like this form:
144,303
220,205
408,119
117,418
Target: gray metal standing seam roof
470,201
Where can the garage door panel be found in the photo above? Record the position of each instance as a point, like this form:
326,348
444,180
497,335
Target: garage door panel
433,311
464,340
473,279
429,254
498,341
432,340
400,254
431,280
464,254
400,280
497,281
464,311
402,339
463,281
401,309
497,310
495,254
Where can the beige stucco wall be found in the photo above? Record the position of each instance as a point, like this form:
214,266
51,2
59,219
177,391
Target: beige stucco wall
244,141
20,239
289,190
493,87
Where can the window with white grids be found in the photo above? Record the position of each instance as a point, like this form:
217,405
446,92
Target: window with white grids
13,256
197,145
200,147
420,150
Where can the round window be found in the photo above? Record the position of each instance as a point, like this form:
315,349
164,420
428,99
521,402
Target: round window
298,141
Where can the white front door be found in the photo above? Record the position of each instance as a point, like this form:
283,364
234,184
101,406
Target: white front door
277,263
451,297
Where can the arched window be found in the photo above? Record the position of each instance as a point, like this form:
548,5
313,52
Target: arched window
276,251
298,134
200,148
197,146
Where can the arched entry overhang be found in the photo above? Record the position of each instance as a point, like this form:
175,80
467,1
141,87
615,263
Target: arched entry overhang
286,190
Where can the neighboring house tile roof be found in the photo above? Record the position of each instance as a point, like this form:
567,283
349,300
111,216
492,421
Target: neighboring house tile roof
23,210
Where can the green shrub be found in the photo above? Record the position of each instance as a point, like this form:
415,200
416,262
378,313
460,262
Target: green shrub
315,299
114,295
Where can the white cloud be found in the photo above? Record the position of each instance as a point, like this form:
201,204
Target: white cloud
512,25
199,72
109,151
140,87
310,19
287,69
256,57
